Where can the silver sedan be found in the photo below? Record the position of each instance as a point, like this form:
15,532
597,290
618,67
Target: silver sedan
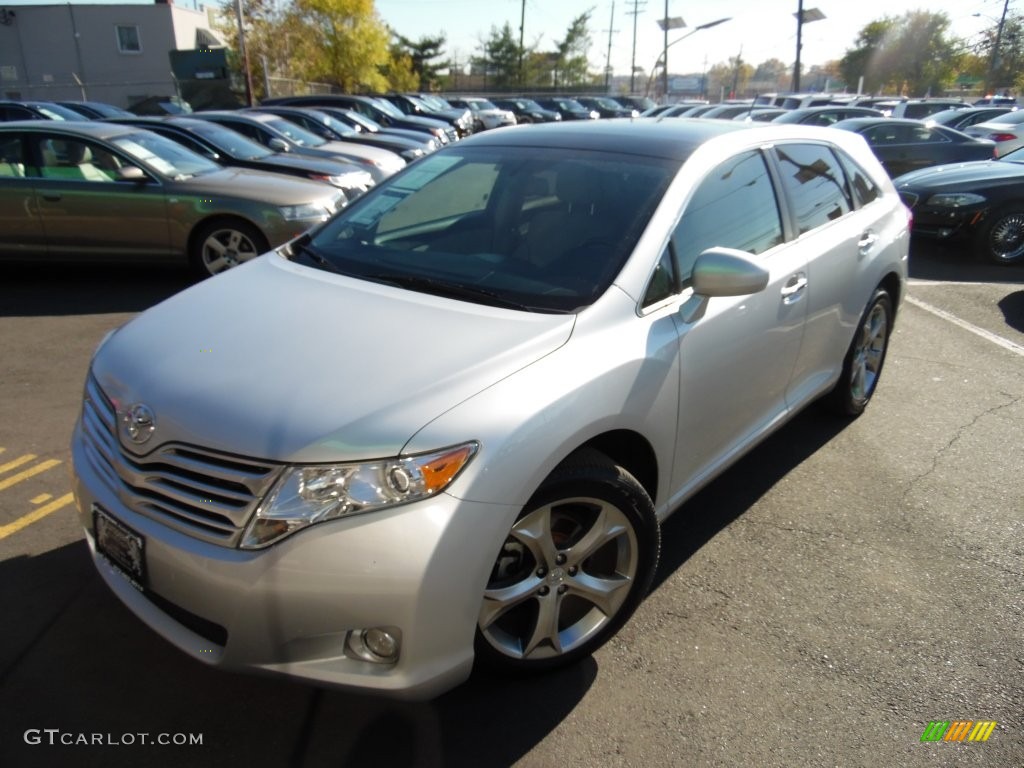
444,427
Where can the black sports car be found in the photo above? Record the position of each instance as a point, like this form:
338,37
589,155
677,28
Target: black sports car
982,200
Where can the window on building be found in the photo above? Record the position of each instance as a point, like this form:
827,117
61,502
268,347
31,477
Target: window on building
128,40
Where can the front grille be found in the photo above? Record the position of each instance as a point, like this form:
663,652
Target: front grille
204,494
909,199
452,134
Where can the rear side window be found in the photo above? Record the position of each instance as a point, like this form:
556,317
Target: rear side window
863,186
733,207
815,184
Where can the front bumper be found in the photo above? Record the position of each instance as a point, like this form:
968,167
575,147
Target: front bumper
289,608
942,223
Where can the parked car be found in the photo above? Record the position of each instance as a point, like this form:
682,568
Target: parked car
382,112
364,124
444,426
460,119
527,110
918,109
960,119
74,190
36,110
760,114
982,202
1006,130
283,135
438,103
826,115
231,149
569,109
486,114
330,128
160,105
906,145
605,106
95,110
996,101
640,103
724,111
687,110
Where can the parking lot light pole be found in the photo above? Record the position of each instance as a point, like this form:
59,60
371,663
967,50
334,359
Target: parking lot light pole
663,57
802,17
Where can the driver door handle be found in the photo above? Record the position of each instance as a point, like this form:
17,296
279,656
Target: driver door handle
794,288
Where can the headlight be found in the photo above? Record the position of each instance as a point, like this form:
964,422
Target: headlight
955,199
306,211
414,153
312,494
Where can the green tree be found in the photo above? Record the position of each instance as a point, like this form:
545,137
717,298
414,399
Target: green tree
1007,62
912,55
423,56
573,66
500,62
343,42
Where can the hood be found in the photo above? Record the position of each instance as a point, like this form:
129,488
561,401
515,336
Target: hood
278,361
958,174
310,164
258,186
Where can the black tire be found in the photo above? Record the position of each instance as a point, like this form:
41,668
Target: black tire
224,243
863,363
575,566
1000,239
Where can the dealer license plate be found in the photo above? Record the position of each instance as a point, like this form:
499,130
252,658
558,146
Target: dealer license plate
123,547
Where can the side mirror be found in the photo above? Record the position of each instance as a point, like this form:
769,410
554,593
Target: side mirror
278,145
130,173
722,272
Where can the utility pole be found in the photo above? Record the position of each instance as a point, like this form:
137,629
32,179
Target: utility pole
635,13
245,53
522,29
994,58
608,58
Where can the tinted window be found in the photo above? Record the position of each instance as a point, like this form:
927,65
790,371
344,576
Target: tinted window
864,188
733,207
663,282
814,183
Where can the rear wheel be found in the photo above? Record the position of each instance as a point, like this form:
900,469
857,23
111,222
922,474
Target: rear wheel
1001,237
220,245
574,567
865,357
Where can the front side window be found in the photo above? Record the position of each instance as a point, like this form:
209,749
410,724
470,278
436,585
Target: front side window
815,184
524,227
734,207
128,40
66,158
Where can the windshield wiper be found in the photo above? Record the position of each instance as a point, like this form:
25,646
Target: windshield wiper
303,248
450,290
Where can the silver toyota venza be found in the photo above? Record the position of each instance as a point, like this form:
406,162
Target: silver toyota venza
443,426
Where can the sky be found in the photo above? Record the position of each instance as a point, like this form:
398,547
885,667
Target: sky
758,29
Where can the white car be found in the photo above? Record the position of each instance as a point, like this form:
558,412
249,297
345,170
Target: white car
1007,131
444,427
486,114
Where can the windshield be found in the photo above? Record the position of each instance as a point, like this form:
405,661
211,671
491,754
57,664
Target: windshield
536,229
164,156
339,128
230,142
1009,117
57,112
296,133
388,108
363,122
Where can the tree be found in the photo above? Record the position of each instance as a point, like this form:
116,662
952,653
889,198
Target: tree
500,62
573,66
913,55
422,56
1006,63
342,42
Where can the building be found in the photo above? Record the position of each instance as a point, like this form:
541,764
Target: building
118,54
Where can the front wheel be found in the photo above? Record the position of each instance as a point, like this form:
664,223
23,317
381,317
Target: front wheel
1000,239
574,567
220,245
865,357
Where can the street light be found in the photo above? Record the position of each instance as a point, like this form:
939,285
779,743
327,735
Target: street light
994,57
802,17
663,57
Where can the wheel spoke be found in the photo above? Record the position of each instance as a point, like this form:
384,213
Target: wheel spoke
235,240
609,525
606,594
534,531
213,244
546,628
497,602
218,264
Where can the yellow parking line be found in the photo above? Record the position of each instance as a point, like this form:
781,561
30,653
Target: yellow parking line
41,467
32,517
41,498
17,462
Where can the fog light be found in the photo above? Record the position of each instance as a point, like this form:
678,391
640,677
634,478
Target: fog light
380,645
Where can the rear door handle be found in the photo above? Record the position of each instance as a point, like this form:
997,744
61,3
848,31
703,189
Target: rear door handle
52,197
867,240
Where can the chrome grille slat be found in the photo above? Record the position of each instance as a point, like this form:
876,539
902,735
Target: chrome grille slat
196,491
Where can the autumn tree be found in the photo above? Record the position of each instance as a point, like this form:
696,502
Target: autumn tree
1001,66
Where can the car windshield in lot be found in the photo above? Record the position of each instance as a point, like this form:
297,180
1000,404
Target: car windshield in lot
230,142
164,156
537,229
296,133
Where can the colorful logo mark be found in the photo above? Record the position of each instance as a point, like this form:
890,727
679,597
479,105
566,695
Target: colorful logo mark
958,730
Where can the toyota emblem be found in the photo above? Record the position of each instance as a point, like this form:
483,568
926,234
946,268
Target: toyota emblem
138,423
